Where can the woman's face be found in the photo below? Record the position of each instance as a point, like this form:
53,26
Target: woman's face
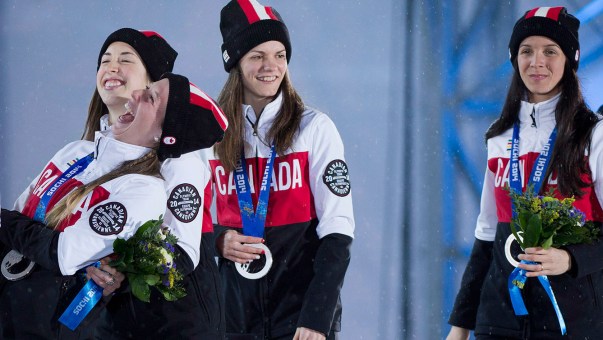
541,63
143,120
121,71
262,70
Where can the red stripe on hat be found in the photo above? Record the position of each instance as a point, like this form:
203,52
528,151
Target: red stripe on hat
149,34
531,13
196,99
270,14
219,116
554,13
250,13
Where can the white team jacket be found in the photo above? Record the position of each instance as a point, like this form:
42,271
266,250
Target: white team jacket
186,179
113,210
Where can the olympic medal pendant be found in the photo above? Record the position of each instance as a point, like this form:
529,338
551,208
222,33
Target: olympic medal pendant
15,266
257,268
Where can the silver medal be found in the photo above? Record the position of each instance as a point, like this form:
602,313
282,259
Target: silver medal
257,268
14,260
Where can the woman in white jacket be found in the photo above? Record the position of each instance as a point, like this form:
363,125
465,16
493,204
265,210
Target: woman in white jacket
89,194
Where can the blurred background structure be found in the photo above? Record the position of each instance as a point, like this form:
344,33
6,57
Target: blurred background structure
411,85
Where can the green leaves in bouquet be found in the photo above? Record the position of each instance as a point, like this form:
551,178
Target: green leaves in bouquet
140,288
532,229
147,259
546,221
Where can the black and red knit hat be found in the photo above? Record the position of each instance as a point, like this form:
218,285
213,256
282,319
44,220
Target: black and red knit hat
193,120
247,23
552,22
158,56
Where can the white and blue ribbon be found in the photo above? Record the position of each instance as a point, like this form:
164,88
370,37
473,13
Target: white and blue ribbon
253,219
517,279
82,304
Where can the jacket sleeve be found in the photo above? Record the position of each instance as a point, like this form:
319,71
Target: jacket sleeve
330,180
467,300
587,258
30,238
42,180
330,265
464,311
331,190
20,203
134,200
186,178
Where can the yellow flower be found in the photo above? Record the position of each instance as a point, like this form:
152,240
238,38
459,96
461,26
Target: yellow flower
536,205
167,258
171,278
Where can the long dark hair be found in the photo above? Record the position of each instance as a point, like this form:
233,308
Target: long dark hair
282,131
575,122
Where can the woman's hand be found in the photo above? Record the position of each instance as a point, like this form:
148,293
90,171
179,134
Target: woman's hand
550,261
231,245
303,333
458,333
105,276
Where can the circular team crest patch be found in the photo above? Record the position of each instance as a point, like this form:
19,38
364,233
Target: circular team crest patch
184,202
109,218
336,178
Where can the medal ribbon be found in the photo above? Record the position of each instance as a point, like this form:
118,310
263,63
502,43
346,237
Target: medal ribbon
82,304
71,172
91,293
253,219
518,278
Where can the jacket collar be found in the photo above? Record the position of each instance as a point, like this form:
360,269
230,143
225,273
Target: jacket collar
114,152
268,115
104,122
539,113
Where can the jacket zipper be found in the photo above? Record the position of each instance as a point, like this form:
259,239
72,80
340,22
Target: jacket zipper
254,126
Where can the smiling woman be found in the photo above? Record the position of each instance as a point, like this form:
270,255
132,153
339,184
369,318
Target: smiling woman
546,142
121,71
72,212
540,63
294,234
127,62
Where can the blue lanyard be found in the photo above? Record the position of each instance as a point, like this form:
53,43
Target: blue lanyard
538,170
71,172
253,219
82,304
517,279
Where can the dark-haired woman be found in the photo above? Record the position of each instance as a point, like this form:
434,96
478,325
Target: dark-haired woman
128,60
544,99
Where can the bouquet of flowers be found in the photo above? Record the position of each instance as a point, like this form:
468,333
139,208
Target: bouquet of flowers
147,259
545,221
